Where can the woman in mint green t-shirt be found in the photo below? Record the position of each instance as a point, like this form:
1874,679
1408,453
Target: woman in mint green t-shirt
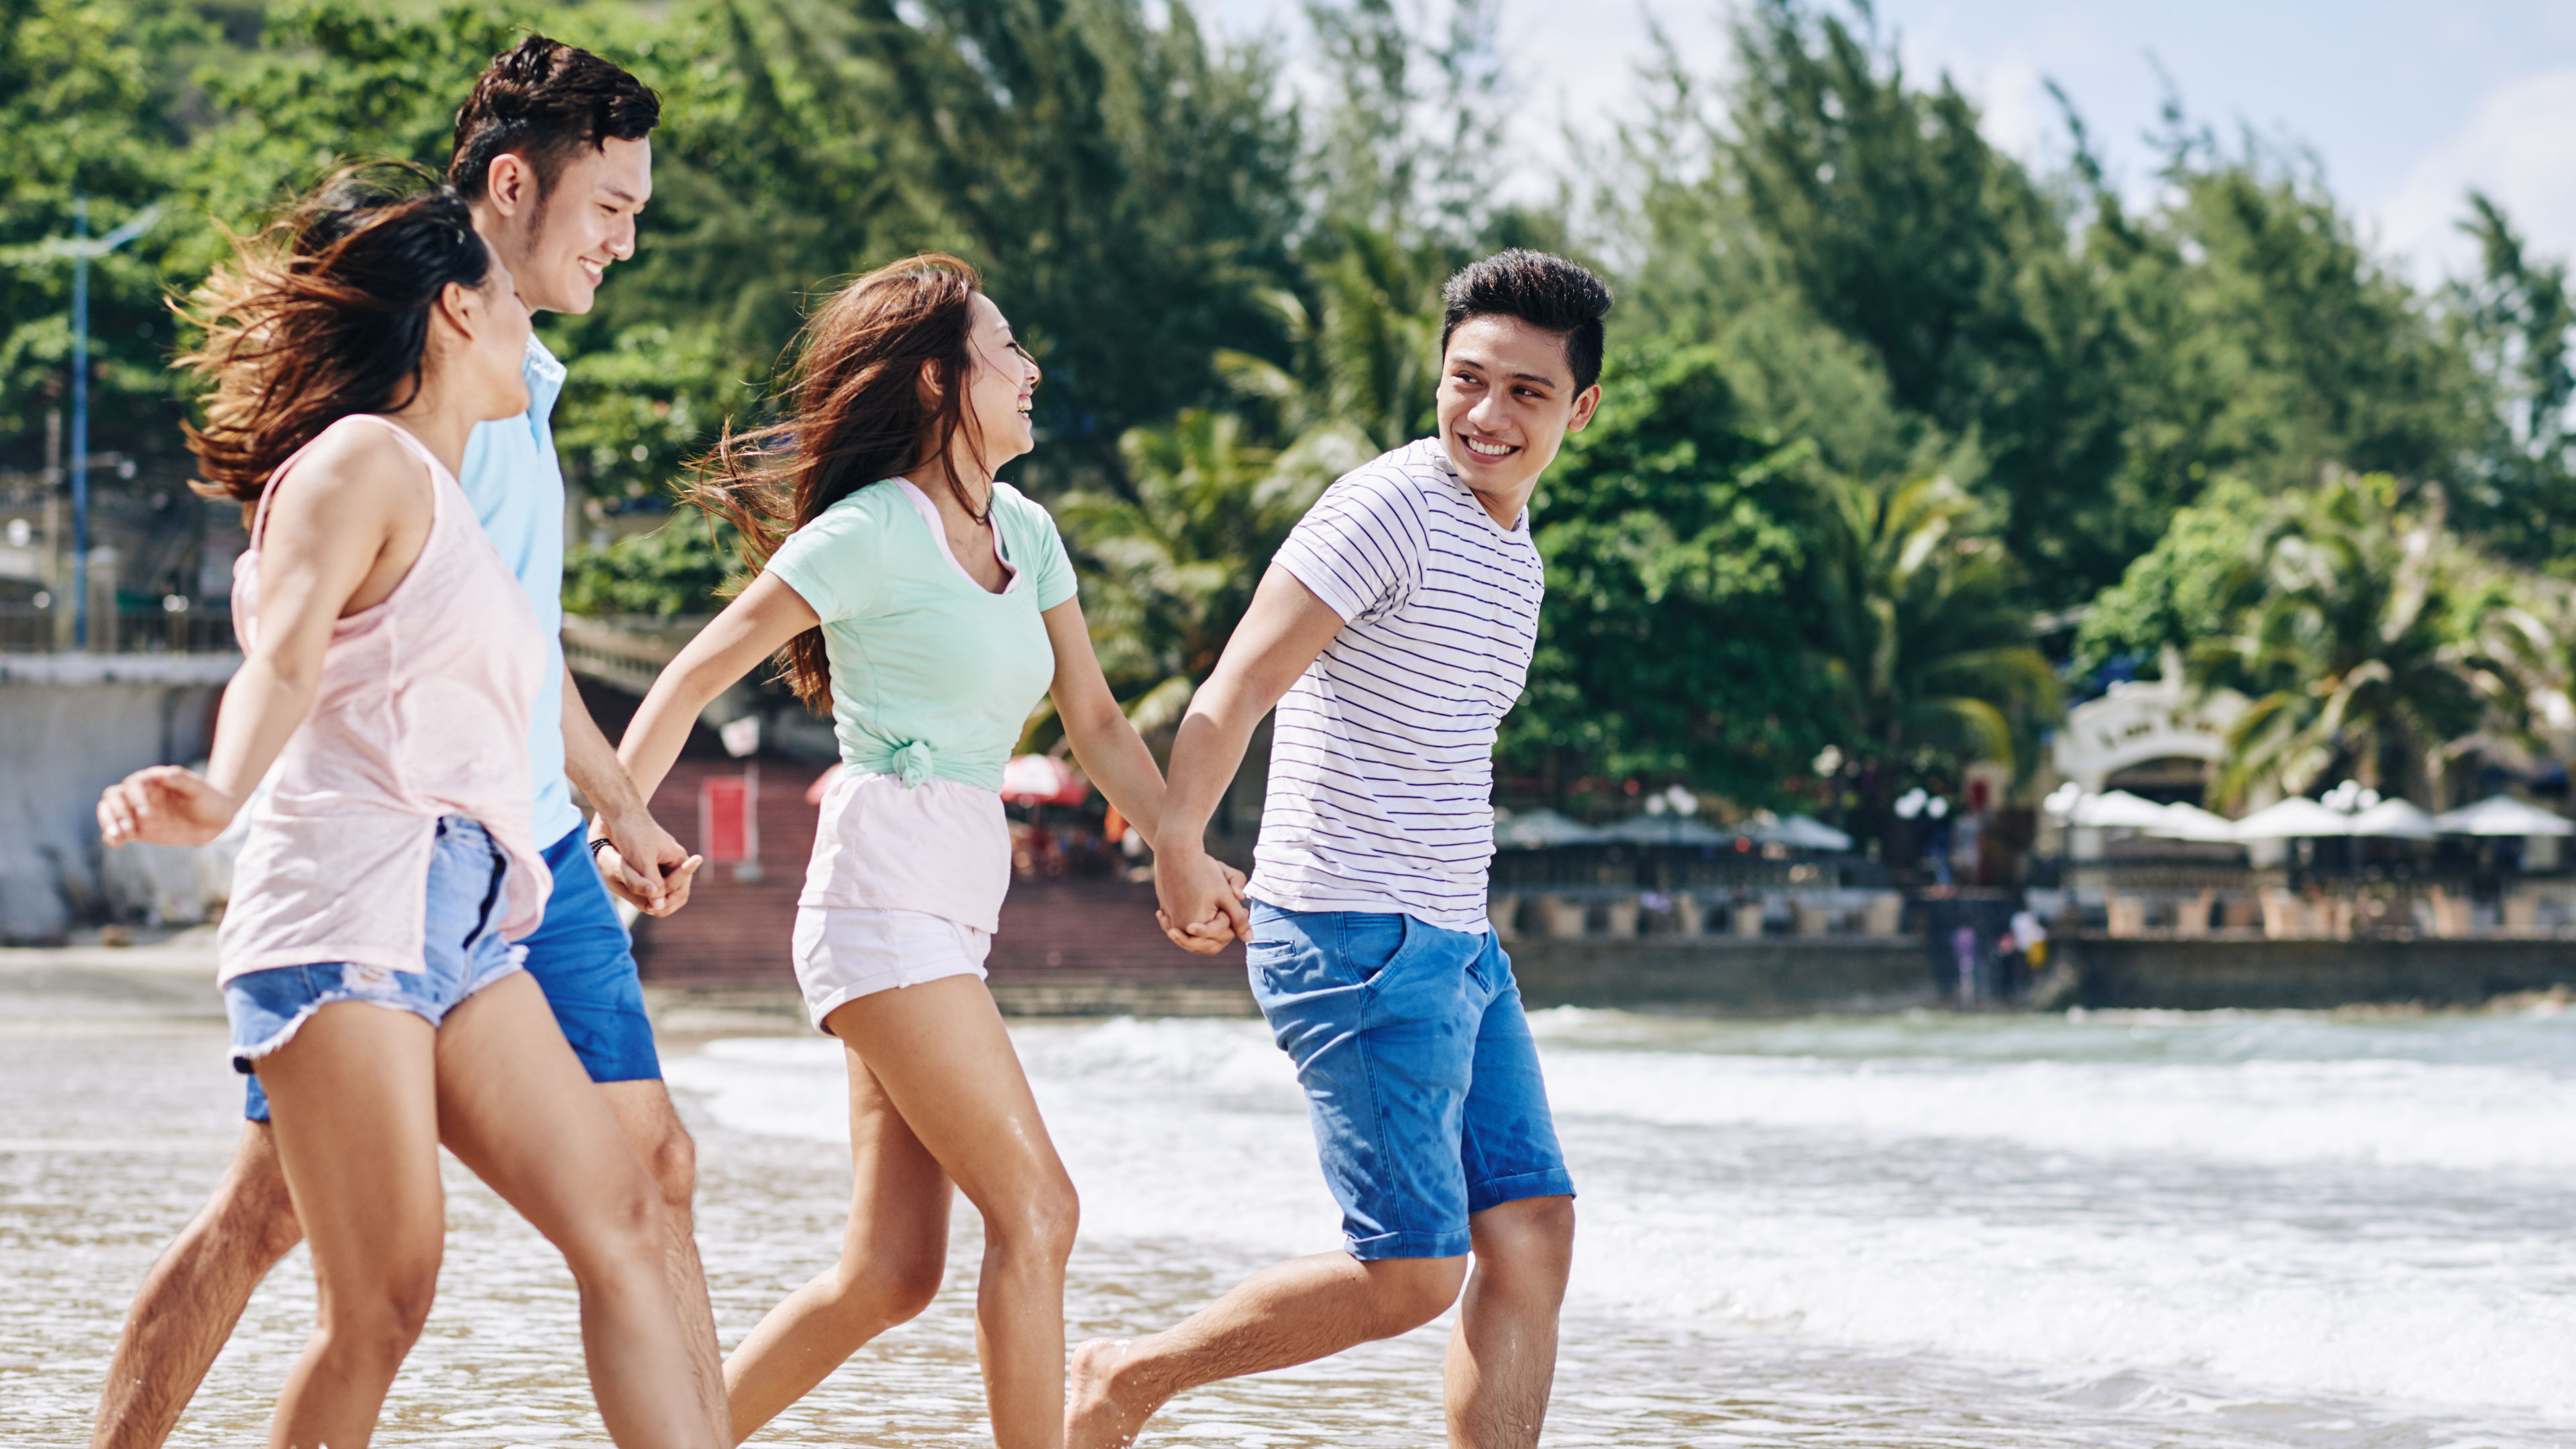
929,606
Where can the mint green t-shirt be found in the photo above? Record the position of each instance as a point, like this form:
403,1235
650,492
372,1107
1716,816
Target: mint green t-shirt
931,674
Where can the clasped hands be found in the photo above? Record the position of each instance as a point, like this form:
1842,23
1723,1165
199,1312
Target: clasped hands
1206,893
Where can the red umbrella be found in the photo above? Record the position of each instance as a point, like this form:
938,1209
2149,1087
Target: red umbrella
1043,780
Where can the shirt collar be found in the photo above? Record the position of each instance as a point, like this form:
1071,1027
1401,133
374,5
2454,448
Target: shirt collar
545,379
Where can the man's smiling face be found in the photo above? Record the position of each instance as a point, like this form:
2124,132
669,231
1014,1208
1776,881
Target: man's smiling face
560,246
1507,400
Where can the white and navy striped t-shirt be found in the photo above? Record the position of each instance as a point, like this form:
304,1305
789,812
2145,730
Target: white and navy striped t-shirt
1382,756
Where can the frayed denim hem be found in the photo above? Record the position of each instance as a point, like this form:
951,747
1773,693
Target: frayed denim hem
1491,1194
244,1057
1407,1245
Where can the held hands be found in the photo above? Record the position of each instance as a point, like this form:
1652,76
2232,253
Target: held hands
164,805
1196,888
643,864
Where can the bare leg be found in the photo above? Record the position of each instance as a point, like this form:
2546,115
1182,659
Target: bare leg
356,1114
1502,1356
1294,1313
514,1106
194,1295
892,1257
652,1128
942,1061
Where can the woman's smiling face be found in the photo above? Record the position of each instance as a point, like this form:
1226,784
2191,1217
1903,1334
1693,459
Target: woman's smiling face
999,393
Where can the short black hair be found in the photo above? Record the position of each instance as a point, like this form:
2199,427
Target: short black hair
545,99
1549,293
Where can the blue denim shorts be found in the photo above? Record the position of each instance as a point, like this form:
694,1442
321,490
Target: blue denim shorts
462,953
583,960
1421,1078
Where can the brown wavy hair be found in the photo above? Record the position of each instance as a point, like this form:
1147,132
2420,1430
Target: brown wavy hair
322,314
855,415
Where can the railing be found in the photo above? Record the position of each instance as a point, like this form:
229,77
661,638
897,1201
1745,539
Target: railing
625,653
199,629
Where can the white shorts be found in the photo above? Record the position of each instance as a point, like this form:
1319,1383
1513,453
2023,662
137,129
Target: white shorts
846,952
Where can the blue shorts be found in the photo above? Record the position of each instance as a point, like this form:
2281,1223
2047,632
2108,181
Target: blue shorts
1421,1077
583,960
461,953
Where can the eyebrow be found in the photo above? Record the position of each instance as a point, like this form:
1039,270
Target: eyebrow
622,194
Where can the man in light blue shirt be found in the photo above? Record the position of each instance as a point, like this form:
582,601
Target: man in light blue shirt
553,158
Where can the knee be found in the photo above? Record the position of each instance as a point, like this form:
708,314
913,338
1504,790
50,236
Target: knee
1041,1224
1532,1238
887,1289
1411,1292
254,1215
673,1162
371,1330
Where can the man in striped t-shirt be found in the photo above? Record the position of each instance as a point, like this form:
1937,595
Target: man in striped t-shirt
1393,632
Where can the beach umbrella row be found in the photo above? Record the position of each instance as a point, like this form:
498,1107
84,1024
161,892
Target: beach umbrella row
1541,828
2300,818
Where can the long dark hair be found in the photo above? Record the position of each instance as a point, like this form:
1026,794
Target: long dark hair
323,314
855,416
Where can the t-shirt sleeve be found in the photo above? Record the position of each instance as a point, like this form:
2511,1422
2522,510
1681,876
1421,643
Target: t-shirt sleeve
1051,569
833,563
1360,547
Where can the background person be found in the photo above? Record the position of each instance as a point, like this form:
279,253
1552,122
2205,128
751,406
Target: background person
552,158
1393,631
390,669
929,606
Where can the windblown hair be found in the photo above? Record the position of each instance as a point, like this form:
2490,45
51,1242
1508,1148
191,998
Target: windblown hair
1549,293
855,414
545,100
323,314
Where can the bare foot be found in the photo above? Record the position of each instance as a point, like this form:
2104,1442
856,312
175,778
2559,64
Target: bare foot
1093,1419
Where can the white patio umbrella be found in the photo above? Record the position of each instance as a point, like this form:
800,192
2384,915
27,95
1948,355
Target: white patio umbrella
2394,819
1536,829
2117,809
2501,815
2190,822
1800,832
2296,818
1666,830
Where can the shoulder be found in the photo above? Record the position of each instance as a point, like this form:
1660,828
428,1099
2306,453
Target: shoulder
1389,494
1018,510
348,463
868,510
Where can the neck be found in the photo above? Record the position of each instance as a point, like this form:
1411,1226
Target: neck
1506,508
441,427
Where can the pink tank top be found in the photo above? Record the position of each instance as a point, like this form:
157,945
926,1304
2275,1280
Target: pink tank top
422,711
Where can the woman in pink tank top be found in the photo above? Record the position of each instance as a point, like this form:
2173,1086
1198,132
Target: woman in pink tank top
391,664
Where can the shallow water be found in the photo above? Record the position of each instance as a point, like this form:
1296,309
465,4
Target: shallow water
2122,1230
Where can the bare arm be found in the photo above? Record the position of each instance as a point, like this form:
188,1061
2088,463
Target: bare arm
757,624
1107,746
1283,631
326,539
644,864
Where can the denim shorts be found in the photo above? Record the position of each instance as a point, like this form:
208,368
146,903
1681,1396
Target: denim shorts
462,952
1421,1078
583,960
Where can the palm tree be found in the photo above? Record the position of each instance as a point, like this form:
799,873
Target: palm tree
2375,644
1177,558
1920,629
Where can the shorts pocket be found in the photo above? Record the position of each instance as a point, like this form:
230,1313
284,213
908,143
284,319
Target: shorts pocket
1369,942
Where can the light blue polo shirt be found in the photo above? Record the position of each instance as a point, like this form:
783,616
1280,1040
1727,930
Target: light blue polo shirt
516,486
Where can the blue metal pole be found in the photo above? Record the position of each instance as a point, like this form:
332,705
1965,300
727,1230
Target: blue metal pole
80,425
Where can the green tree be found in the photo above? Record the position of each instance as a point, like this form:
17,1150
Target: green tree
1672,554
2374,643
1916,625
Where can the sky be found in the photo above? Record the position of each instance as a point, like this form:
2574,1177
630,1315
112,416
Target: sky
2405,106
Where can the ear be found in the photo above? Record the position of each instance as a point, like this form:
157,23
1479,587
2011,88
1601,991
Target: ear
933,383
1585,403
511,185
462,308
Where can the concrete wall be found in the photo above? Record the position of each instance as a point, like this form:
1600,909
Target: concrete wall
1771,976
71,725
2207,975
